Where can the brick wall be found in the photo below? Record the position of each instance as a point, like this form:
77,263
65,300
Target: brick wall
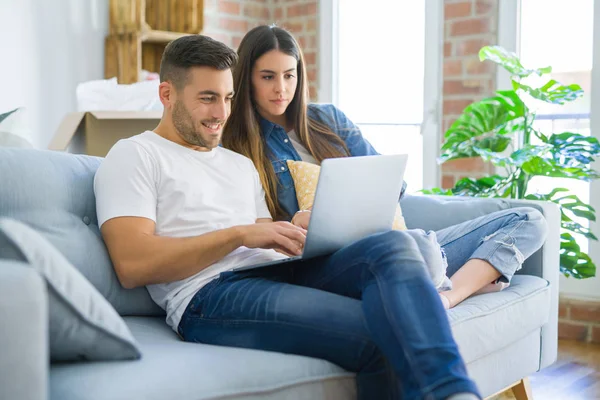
468,26
229,20
300,17
579,320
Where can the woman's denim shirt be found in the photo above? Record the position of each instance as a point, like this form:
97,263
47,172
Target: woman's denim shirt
280,148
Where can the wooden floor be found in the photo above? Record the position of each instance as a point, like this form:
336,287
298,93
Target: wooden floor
574,376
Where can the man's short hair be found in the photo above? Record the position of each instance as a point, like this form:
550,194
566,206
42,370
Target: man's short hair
194,51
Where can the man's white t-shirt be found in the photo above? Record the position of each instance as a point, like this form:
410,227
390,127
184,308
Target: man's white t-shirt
186,193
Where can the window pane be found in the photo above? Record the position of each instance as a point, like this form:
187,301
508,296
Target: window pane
568,51
381,52
391,139
380,76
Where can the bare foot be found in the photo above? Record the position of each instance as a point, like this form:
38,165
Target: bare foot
445,300
492,287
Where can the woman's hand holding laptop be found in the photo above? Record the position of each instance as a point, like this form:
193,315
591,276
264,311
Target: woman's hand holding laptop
301,219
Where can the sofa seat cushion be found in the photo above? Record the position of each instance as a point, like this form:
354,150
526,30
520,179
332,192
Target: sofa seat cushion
490,322
173,369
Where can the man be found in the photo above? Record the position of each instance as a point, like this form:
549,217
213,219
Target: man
179,214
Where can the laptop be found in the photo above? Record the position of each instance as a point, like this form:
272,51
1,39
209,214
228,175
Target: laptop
355,197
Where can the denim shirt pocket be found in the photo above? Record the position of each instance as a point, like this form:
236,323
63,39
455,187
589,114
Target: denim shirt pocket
284,177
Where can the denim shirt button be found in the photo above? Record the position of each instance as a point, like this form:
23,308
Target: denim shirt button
285,140
86,220
283,168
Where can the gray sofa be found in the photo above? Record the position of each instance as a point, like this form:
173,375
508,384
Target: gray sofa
503,337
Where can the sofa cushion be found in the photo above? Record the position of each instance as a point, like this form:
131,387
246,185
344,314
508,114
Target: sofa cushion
82,324
482,325
489,322
174,369
53,193
424,211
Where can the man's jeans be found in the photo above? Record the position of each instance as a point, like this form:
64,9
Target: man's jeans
370,308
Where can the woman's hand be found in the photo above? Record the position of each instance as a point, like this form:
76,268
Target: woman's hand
301,219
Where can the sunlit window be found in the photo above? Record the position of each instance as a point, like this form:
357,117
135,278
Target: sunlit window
381,64
569,51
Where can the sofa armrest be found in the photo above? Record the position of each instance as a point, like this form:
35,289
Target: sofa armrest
437,212
24,363
545,263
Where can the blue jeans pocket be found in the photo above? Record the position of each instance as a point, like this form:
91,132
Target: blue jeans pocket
195,305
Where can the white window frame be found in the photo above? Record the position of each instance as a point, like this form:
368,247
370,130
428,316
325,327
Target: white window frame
432,90
508,37
328,58
590,288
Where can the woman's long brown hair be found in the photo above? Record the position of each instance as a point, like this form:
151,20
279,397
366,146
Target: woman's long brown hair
242,131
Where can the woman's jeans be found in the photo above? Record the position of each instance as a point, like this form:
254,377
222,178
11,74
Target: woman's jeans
370,308
505,239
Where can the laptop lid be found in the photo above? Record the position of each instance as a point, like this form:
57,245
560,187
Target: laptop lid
355,197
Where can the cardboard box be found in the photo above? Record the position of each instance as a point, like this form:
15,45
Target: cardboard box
95,132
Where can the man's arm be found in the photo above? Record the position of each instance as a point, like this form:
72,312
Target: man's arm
126,197
141,258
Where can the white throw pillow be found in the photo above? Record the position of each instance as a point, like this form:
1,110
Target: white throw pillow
83,324
13,129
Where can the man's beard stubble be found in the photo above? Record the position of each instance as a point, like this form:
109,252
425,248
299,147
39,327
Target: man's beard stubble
183,122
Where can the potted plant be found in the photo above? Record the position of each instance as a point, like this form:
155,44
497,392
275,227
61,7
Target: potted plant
500,130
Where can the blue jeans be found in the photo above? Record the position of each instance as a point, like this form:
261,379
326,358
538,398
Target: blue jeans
370,308
504,239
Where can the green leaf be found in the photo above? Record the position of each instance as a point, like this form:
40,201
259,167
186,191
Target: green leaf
579,229
568,243
574,262
495,158
579,266
7,114
548,167
536,165
437,191
577,207
511,102
552,92
489,114
489,148
488,186
485,127
509,61
528,153
574,149
539,135
478,119
512,126
547,196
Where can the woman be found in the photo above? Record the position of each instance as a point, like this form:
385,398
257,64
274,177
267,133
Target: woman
271,122
370,308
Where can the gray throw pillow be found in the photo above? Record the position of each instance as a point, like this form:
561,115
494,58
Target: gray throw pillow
83,324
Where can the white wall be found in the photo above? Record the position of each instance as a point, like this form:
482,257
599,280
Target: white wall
46,49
